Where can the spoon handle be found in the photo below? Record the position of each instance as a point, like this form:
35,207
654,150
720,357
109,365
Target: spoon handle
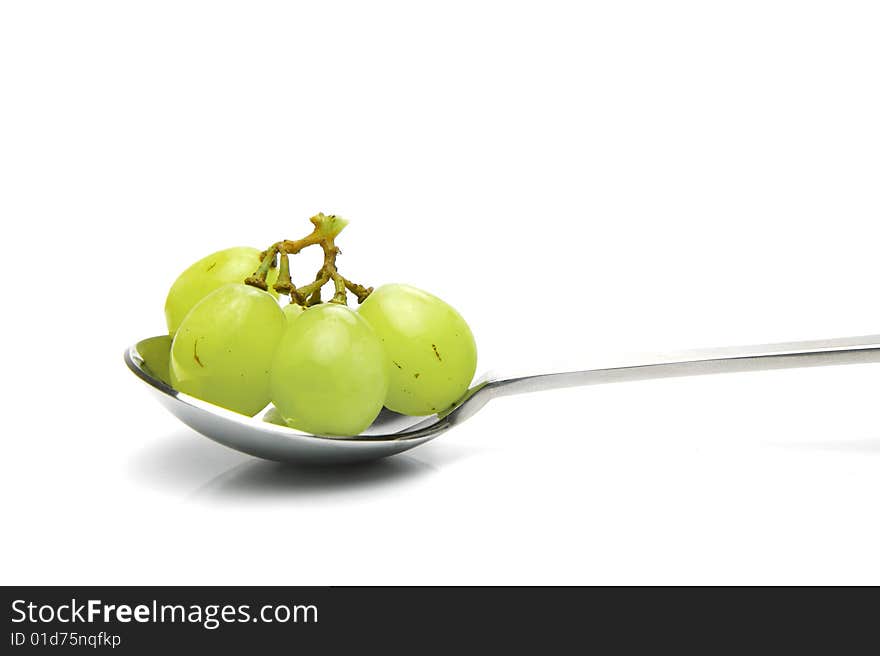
847,350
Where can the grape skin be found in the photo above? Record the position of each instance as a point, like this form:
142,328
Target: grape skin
201,278
292,311
222,352
431,351
330,374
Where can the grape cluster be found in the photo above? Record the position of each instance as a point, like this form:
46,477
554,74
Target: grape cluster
327,368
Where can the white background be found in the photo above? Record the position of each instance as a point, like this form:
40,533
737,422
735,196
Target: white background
581,180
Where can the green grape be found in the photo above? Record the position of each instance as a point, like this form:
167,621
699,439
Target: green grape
430,348
330,374
156,352
292,311
206,275
222,352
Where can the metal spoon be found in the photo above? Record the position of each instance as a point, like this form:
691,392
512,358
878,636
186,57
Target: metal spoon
391,433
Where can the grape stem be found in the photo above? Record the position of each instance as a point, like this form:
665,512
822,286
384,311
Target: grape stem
326,229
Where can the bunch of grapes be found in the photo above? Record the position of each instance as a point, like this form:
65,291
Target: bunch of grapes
328,369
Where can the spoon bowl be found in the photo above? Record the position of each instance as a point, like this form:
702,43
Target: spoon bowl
266,436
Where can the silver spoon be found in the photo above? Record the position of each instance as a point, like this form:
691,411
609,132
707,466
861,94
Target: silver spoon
391,433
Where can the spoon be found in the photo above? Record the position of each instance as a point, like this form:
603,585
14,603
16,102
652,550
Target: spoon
391,433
